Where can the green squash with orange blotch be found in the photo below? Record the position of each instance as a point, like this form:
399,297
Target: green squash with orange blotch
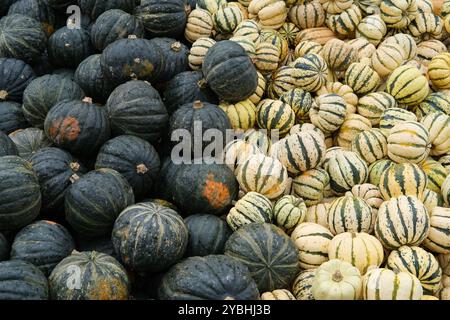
36,9
89,275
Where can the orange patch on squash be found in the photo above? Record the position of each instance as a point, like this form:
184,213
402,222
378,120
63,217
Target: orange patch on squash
109,289
66,129
49,222
216,192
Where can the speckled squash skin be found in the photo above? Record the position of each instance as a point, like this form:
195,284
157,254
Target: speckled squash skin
227,280
98,277
187,87
162,17
149,237
20,280
4,247
20,195
135,108
7,146
28,141
43,93
175,57
15,75
78,126
36,9
132,58
135,159
43,244
93,202
254,245
11,117
112,25
56,170
207,235
94,8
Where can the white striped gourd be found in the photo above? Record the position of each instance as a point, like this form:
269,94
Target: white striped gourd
405,41
258,138
275,38
398,13
198,51
283,80
288,212
300,101
350,128
390,117
212,6
371,28
249,29
309,185
236,152
426,26
270,13
331,153
301,287
275,115
434,102
227,18
328,112
318,214
432,199
289,32
387,58
338,54
313,72
371,195
343,90
407,85
199,25
364,49
279,294
427,50
304,127
372,105
306,47
307,15
361,78
260,89
267,57
439,71
242,114
435,172
344,23
371,145
336,6
320,35
438,240
377,168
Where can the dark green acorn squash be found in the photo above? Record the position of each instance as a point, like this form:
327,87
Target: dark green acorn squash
68,47
21,37
11,117
44,92
7,146
135,159
42,65
163,18
56,170
20,280
175,57
95,8
15,75
132,59
135,108
43,244
78,126
93,202
60,4
207,235
229,71
195,119
167,176
112,25
20,195
89,275
268,252
214,277
187,87
38,10
67,73
100,244
28,141
149,237
89,75
4,247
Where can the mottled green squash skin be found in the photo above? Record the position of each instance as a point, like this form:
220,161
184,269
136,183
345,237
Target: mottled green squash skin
20,280
175,57
15,75
113,25
94,8
162,18
214,277
68,47
4,248
36,9
132,58
7,146
11,117
93,202
135,108
187,87
21,37
20,195
135,159
43,93
268,252
78,126
229,72
149,237
28,141
56,170
89,275
43,244
207,235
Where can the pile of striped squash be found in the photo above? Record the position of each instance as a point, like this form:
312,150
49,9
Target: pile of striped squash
359,92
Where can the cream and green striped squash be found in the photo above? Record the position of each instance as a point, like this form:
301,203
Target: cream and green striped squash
288,212
346,170
403,179
353,125
301,287
310,185
345,22
259,138
247,44
249,29
432,199
435,172
420,263
236,152
199,25
275,38
438,240
281,81
362,250
426,26
405,41
385,284
301,151
339,54
312,241
198,52
408,141
300,101
307,47
398,14
211,6
267,57
253,207
445,190
438,126
242,114
330,154
260,89
392,116
372,105
278,294
313,72
361,78
402,221
364,49
350,214
387,58
439,69
371,145
371,28
342,90
328,112
377,168
369,7
407,85
318,213
337,6
275,115
307,15
264,175
304,127
445,161
435,102
289,32
371,195
227,18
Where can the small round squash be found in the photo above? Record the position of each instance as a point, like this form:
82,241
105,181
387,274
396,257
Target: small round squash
252,207
438,239
407,85
371,145
175,57
15,76
28,141
328,112
310,185
439,70
301,286
288,212
438,127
